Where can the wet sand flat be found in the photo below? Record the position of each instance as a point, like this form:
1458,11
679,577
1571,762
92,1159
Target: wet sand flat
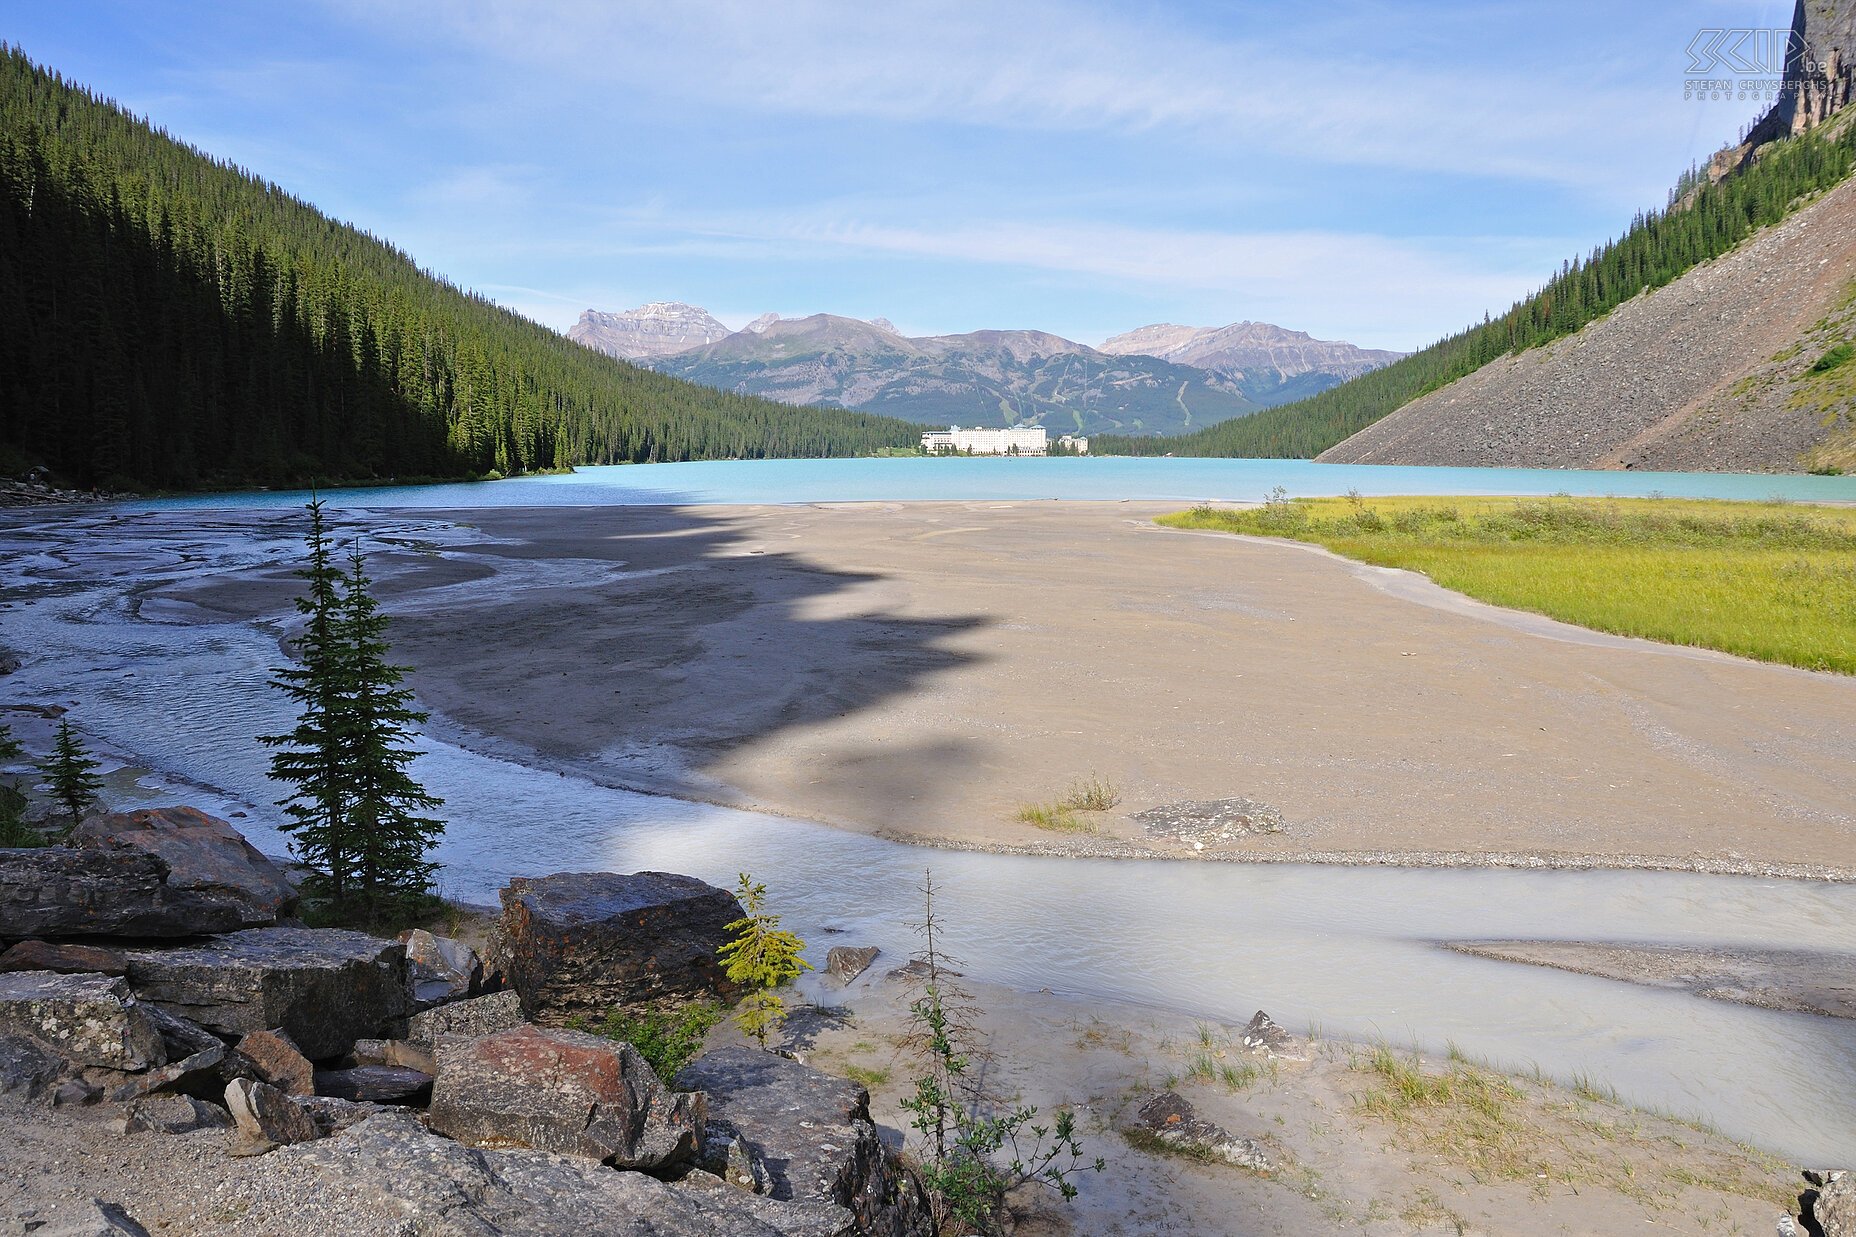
926,669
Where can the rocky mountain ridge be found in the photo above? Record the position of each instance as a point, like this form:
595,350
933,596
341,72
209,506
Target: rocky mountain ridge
1154,380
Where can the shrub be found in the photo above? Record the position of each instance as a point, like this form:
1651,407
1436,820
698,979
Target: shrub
667,1037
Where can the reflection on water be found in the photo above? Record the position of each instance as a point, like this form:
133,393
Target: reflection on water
1348,948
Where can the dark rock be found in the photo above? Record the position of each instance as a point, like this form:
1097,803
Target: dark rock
59,891
266,1118
483,1015
323,987
188,1073
86,1019
27,1068
401,1053
67,959
210,864
916,971
442,969
181,1037
577,944
1262,1035
812,1134
419,1183
175,1114
333,1115
1172,1120
76,1094
93,1219
846,962
273,1057
563,1091
375,1084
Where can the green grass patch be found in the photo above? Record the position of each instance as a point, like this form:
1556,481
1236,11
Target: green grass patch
668,1038
1772,581
869,1078
1070,814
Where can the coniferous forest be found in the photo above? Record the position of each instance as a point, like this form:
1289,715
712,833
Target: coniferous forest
168,320
1702,221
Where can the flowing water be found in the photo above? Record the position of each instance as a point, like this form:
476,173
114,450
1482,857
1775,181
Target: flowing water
1353,950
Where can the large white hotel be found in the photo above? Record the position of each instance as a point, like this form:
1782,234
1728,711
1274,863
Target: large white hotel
1033,441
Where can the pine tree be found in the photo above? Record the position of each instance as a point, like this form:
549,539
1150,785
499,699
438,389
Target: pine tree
310,757
72,774
763,956
390,838
13,828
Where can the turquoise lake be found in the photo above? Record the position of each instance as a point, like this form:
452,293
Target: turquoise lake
1008,479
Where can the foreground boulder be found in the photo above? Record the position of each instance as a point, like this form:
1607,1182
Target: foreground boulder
375,1084
210,864
1832,1205
324,988
807,1137
59,891
442,969
27,1068
266,1118
846,962
434,1187
563,1091
272,1056
86,1019
578,943
1172,1121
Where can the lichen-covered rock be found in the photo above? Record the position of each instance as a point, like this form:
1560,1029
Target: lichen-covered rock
272,1056
579,943
86,1019
323,987
567,1092
482,1015
266,1118
67,958
1264,1036
1169,1118
1833,1206
210,864
435,1187
812,1135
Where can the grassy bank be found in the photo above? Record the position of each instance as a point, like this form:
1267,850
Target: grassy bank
1772,581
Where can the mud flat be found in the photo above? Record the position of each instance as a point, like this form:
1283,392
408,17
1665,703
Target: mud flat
925,670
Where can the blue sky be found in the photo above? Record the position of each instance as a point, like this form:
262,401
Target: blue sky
1364,170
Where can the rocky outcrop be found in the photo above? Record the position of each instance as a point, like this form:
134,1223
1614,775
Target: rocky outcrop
659,329
575,944
86,1019
483,1015
210,864
439,1188
567,1092
1831,1205
1172,1121
805,1136
325,988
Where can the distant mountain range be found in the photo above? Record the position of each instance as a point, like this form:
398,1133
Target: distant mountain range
1161,379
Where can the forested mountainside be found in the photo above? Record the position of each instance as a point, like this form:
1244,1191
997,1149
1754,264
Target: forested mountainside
1704,220
167,319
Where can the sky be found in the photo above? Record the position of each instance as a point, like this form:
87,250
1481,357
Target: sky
1365,170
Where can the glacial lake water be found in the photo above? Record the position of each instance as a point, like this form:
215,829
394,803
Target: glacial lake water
1352,950
1004,479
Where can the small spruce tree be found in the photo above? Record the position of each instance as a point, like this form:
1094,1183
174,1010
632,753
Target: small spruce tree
72,774
14,831
762,956
390,836
310,757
